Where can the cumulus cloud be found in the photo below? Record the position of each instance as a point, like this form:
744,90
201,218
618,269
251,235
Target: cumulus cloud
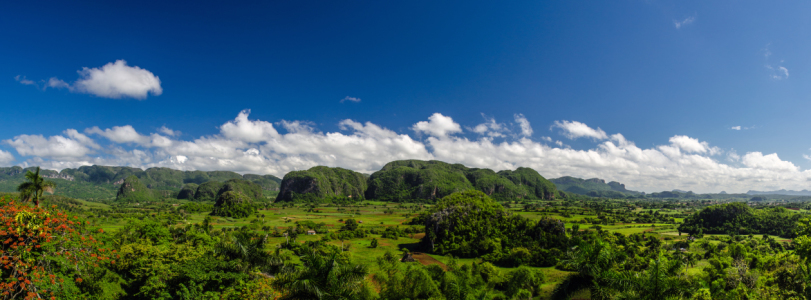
735,128
113,80
57,146
245,130
350,99
6,158
574,130
437,125
254,146
767,162
692,145
686,21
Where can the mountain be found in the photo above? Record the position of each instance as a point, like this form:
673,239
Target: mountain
102,182
594,187
321,182
133,190
781,192
430,180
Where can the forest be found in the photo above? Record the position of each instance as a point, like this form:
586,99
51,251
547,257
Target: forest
491,235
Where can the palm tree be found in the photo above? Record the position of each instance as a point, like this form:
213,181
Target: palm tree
592,264
249,250
322,277
34,187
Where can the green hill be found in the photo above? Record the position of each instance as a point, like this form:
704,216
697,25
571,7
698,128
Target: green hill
102,182
430,180
322,182
132,190
594,187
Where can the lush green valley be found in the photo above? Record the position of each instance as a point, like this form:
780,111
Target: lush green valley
491,235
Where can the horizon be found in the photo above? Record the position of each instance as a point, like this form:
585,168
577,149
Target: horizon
657,96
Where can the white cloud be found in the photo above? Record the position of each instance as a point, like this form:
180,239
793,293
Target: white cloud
437,125
693,145
686,21
57,83
735,128
6,158
23,80
254,146
118,80
165,130
768,162
113,80
574,130
526,129
120,134
245,130
350,99
490,128
57,146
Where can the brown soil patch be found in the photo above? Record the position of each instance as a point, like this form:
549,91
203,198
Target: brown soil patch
426,259
419,236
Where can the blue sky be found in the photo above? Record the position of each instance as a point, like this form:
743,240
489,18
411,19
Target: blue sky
677,74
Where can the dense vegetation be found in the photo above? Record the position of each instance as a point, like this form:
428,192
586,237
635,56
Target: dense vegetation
102,182
233,204
320,183
428,180
739,218
132,190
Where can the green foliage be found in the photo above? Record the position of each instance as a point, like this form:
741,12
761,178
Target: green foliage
739,218
244,187
187,191
207,191
35,185
320,183
234,205
132,190
471,224
429,180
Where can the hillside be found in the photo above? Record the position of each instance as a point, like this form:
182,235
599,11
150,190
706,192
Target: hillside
102,182
594,187
322,182
430,180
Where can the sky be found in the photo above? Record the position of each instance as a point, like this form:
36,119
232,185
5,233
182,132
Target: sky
706,96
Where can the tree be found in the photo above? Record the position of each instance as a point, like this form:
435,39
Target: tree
592,264
323,276
34,187
374,243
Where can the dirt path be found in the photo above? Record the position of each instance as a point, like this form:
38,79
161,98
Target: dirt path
426,259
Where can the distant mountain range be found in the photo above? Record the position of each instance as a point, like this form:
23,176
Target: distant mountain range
103,182
781,192
594,187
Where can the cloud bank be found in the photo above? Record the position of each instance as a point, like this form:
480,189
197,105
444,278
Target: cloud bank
256,146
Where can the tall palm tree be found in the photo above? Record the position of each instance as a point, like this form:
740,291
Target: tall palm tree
322,276
592,264
34,187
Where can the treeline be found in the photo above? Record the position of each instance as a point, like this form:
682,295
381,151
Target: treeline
738,218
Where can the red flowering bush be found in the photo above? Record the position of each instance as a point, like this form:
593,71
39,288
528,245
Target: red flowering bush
45,253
